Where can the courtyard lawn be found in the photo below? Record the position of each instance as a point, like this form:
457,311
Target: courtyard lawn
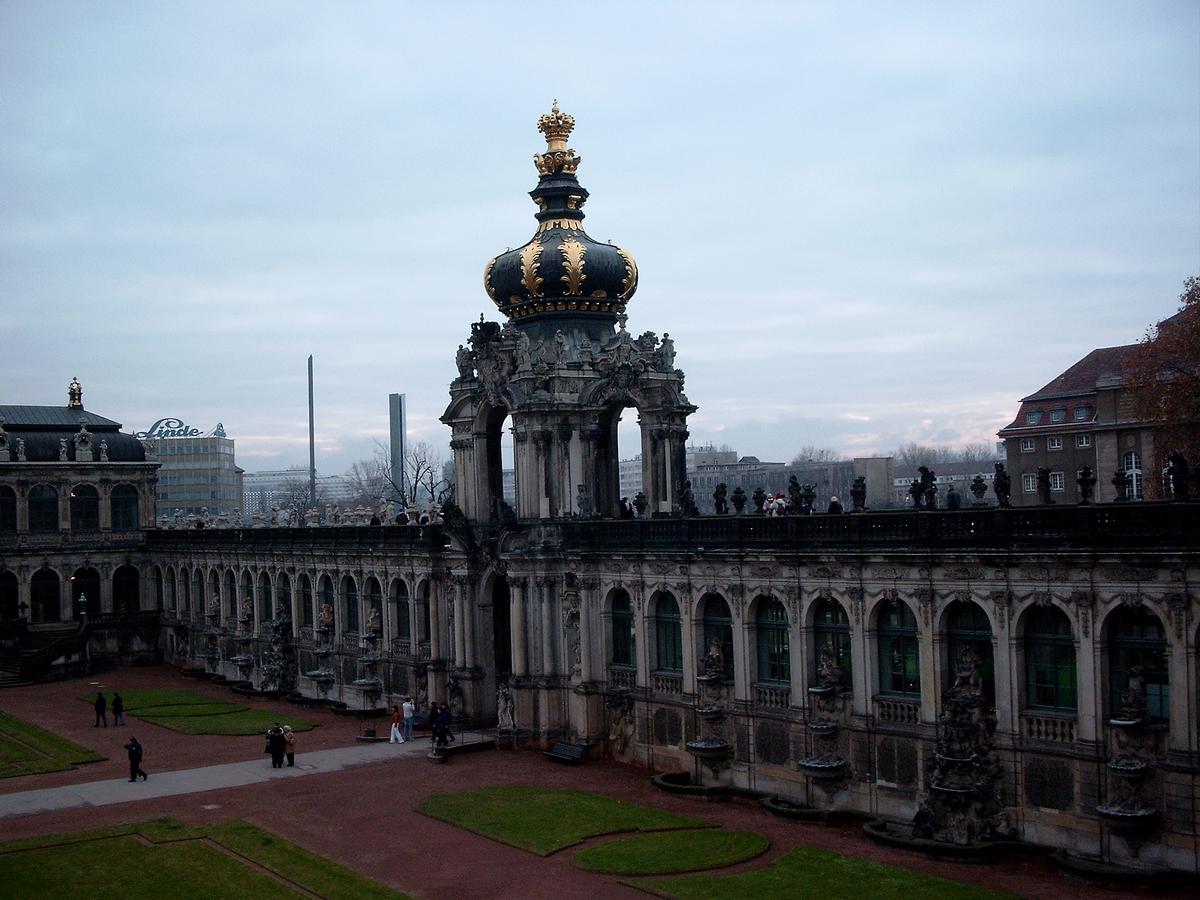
165,858
817,873
671,851
26,749
544,820
189,712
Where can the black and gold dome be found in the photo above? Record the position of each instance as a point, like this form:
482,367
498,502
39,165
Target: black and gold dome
561,271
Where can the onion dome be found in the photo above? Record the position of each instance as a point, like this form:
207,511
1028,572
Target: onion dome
561,271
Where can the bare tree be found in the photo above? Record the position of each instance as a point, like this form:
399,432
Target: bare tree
424,479
369,481
811,453
913,454
979,451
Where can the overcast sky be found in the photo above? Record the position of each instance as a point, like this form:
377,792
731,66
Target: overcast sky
862,224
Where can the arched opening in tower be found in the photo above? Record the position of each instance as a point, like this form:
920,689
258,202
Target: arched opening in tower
502,478
618,462
501,628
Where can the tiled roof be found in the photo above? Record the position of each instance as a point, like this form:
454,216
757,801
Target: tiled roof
1081,378
52,417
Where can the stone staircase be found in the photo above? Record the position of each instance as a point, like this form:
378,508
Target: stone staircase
42,645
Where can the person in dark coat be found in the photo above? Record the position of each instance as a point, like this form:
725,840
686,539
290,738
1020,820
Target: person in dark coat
835,507
101,710
134,749
953,499
276,745
433,718
118,708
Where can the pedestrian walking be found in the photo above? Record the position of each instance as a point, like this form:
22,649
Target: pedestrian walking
118,709
395,737
289,744
433,717
101,706
134,749
410,710
443,721
275,745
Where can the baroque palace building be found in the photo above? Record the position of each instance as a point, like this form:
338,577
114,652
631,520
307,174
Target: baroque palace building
808,656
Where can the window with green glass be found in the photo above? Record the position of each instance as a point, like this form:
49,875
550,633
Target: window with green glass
668,634
1050,678
967,625
718,630
831,628
1136,638
774,651
899,652
623,653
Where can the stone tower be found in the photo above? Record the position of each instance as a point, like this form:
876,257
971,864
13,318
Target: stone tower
563,369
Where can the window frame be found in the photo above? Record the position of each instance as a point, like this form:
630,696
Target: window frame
773,641
901,640
831,626
1054,442
1053,651
1029,483
1027,445
668,636
622,631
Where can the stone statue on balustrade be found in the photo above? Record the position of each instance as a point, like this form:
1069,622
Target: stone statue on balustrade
465,360
738,498
687,500
714,659
830,674
1043,486
325,616
1002,487
858,494
506,714
1086,479
583,502
795,496
374,624
720,504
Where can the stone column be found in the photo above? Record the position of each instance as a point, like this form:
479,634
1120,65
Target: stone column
931,688
22,507
470,638
460,643
549,632
105,604
743,634
25,593
689,637
435,618
516,588
587,607
104,489
1088,685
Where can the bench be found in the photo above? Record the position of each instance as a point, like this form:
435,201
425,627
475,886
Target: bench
571,754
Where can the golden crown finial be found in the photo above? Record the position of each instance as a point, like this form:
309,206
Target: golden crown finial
557,127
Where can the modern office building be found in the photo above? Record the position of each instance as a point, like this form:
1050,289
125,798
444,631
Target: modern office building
197,472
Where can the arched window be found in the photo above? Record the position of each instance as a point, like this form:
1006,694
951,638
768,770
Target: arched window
1049,661
967,625
668,634
185,599
718,631
1136,638
623,638
306,601
246,596
86,583
283,587
199,605
124,504
831,629
423,628
44,592
230,595
43,508
375,598
172,599
899,652
8,509
1132,464
160,591
774,648
85,508
9,596
349,604
126,590
400,610
328,598
265,613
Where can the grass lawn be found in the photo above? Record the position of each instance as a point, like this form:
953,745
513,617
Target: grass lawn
817,873
165,858
544,820
671,851
189,712
26,749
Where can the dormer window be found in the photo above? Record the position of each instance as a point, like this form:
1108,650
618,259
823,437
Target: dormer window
1033,418
1058,415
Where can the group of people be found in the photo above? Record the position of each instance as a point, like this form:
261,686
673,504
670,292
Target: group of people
402,721
281,742
439,725
102,705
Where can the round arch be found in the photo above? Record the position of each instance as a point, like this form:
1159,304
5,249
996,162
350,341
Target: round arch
127,589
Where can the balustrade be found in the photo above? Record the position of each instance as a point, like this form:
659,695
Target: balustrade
666,682
902,712
1048,729
622,677
772,696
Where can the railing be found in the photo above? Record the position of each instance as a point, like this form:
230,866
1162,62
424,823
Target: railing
1111,524
622,677
422,650
1048,729
380,538
350,641
306,634
71,539
666,682
401,647
902,712
772,696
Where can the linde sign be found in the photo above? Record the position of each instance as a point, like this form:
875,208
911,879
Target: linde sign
168,428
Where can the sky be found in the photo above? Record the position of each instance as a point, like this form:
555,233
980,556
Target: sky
863,224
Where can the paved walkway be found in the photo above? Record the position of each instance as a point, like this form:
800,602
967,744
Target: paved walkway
207,778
